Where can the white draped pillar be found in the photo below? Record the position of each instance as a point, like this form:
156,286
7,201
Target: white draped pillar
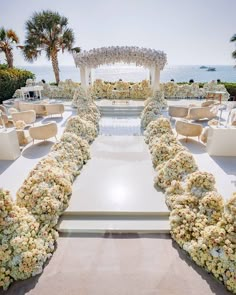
156,79
91,76
82,77
88,76
85,77
151,73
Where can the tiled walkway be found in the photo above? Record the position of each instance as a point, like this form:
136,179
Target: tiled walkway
127,264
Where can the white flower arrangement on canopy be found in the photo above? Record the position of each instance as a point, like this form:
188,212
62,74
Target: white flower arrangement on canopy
152,59
145,57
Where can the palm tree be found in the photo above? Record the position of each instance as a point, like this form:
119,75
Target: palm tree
47,31
233,39
7,39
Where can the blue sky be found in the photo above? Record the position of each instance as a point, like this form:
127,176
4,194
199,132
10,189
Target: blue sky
189,31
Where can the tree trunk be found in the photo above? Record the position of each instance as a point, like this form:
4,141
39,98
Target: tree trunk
55,67
9,58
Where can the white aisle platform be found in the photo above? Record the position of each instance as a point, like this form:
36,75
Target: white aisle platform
115,190
118,178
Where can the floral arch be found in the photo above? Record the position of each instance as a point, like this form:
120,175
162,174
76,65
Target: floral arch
154,60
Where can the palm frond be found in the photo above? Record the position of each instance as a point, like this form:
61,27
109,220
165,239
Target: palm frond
2,34
233,38
11,35
31,53
234,54
76,49
68,40
48,52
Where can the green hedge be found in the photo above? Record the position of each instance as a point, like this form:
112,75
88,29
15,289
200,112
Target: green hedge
11,80
231,88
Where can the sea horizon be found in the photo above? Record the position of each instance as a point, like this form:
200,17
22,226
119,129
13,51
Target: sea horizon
131,73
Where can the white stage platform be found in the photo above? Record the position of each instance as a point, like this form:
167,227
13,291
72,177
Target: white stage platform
117,179
115,191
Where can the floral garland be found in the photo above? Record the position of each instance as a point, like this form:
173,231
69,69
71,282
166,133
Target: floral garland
162,152
87,109
85,129
199,183
166,138
27,234
25,243
80,97
79,143
175,169
153,107
142,90
157,128
45,193
120,90
200,221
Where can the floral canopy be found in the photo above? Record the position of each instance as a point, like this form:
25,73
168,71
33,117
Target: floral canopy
145,57
152,59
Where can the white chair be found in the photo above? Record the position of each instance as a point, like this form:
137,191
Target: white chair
43,132
54,109
29,117
188,129
200,113
178,111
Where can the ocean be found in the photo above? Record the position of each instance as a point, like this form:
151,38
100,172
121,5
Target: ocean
180,73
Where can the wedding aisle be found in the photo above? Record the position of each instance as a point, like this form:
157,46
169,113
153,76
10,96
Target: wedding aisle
115,190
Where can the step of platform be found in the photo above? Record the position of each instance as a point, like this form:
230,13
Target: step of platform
121,107
120,114
113,224
124,111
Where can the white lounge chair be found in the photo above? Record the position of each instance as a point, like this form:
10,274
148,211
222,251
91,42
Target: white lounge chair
43,132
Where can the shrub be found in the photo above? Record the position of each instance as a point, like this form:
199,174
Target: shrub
11,80
231,88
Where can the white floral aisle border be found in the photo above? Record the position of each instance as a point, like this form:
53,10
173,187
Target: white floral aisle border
171,89
145,57
120,89
27,234
152,108
201,223
140,90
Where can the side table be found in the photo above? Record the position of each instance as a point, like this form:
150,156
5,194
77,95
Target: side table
221,141
9,145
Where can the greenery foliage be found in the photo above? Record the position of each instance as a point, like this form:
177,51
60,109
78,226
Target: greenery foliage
48,31
231,88
12,79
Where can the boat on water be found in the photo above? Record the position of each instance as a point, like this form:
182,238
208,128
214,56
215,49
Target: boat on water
211,69
203,67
